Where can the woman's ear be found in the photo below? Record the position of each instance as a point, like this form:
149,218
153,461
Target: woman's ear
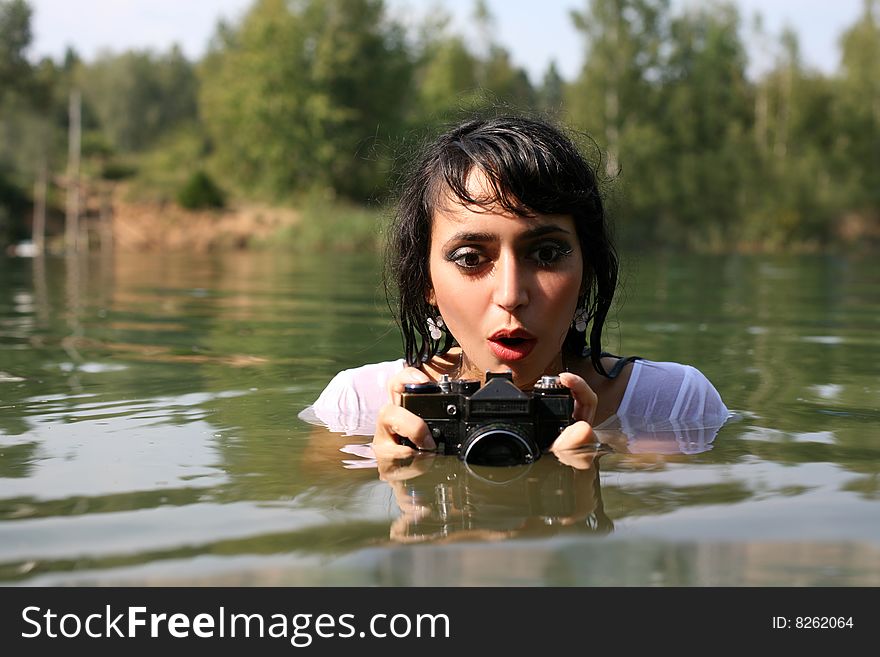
430,298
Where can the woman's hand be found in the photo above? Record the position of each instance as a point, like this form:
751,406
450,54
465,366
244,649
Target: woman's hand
398,381
395,423
585,400
580,433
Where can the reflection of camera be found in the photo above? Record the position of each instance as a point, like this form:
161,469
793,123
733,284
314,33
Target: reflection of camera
455,500
497,424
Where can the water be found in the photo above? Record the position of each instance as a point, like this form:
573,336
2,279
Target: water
149,434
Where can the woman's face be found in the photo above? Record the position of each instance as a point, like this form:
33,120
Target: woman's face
506,286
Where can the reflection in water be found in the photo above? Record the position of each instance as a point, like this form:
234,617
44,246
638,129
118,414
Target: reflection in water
445,499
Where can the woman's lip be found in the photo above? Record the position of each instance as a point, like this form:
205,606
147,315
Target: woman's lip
511,352
516,333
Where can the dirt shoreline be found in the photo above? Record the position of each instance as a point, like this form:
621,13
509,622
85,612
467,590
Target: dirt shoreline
152,227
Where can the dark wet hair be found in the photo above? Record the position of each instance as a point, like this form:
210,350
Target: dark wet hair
532,167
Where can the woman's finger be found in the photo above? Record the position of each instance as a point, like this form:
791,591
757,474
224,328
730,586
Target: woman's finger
574,436
395,425
399,380
585,400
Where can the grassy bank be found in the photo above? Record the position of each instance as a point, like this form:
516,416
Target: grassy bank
330,225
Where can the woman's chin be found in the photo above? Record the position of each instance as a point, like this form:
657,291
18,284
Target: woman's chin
525,371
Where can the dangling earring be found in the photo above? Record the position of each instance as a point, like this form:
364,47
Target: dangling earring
580,320
434,326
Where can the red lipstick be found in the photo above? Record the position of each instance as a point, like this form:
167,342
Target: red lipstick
512,345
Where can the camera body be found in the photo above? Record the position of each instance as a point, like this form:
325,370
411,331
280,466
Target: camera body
496,424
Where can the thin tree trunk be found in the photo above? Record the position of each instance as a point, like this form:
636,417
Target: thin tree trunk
761,111
74,133
781,146
612,106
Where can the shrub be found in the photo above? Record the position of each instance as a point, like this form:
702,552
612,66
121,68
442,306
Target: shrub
117,171
200,191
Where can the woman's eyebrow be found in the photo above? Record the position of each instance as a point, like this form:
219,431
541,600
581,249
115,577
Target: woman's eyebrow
545,229
530,234
467,236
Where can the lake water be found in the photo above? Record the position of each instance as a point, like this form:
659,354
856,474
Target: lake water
149,434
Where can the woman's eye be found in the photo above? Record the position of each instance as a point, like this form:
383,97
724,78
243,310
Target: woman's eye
547,254
467,259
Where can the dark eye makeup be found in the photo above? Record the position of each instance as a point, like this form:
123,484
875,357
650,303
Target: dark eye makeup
467,257
548,252
545,254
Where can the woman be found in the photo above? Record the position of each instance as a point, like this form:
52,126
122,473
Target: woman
501,260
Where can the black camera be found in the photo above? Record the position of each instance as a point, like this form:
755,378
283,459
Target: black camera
496,424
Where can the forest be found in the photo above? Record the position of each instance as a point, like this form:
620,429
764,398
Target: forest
315,106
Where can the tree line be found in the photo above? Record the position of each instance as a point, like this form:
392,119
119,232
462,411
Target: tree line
328,96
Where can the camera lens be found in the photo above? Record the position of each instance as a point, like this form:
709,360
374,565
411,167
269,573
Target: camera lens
498,444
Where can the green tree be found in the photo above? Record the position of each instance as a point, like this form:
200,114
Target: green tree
447,77
138,96
446,72
507,82
858,110
789,195
707,119
452,78
298,95
551,94
15,38
15,87
498,77
615,89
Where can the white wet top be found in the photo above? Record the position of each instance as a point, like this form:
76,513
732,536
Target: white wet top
667,401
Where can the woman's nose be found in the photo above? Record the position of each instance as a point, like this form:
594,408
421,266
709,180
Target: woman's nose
511,288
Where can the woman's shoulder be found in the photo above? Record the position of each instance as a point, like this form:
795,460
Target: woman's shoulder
353,397
369,374
360,387
665,390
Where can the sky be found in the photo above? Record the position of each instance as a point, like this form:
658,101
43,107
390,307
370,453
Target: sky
535,32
